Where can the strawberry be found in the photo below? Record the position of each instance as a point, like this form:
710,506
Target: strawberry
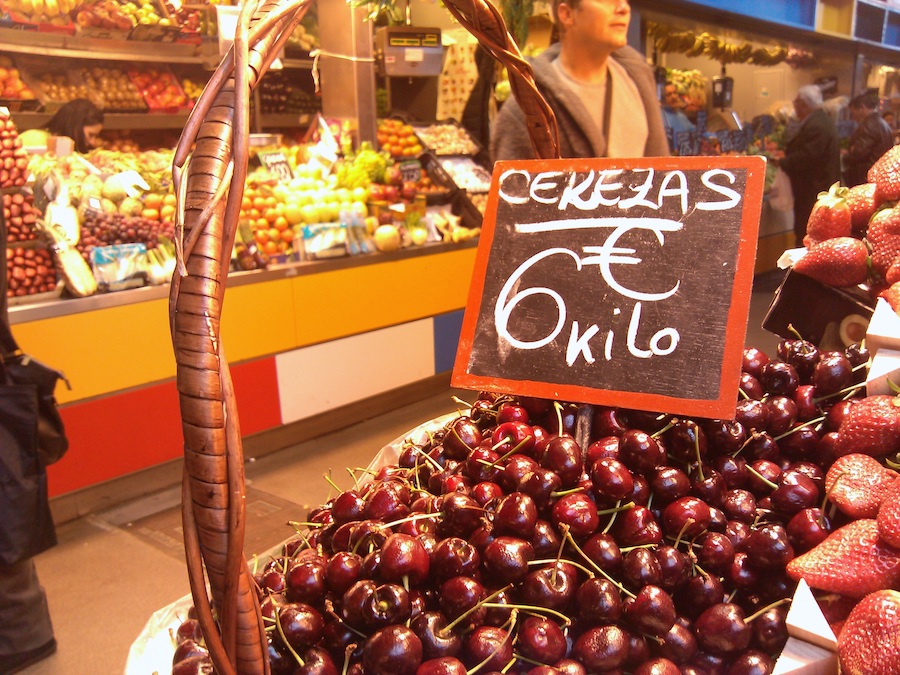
852,561
892,276
870,427
869,643
830,217
885,173
888,518
857,484
862,203
883,236
892,295
835,262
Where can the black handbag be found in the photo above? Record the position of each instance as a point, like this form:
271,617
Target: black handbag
26,527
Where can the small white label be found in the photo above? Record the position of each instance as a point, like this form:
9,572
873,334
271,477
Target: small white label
415,54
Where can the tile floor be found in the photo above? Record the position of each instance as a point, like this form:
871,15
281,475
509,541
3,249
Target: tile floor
112,570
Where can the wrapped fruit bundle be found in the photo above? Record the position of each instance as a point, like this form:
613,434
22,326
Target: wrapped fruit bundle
20,215
13,157
496,542
853,234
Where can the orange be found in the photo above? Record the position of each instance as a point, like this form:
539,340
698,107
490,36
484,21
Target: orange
153,200
271,215
270,247
167,212
281,224
170,199
150,214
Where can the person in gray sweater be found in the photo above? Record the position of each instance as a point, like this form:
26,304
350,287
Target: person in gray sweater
602,92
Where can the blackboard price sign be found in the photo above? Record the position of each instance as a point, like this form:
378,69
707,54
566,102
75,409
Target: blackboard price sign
277,165
615,282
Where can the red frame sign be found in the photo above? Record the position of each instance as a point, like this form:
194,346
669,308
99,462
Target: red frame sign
615,282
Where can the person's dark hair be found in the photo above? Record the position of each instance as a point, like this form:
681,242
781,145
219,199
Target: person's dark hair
868,100
71,119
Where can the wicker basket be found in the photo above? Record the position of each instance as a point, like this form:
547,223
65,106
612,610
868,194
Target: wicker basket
210,167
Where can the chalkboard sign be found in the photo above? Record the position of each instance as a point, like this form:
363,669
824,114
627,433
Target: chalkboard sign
277,165
615,282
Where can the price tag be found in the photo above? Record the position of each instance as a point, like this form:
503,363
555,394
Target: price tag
725,144
411,171
277,165
615,282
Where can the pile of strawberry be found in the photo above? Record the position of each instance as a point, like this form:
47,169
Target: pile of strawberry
853,234
860,562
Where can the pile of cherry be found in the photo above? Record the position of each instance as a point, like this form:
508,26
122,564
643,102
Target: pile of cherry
500,545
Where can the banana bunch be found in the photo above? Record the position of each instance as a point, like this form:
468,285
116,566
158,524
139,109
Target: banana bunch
667,40
769,56
44,11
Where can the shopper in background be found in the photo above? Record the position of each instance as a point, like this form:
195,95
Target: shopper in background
79,119
812,156
871,139
889,118
674,119
602,92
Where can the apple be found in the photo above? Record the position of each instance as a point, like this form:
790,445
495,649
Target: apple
387,238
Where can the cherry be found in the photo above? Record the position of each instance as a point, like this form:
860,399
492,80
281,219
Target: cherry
517,467
751,662
441,665
636,526
507,559
686,516
763,473
368,606
807,528
429,627
782,414
404,558
640,566
300,625
674,567
485,492
552,586
462,437
482,464
725,437
751,387
564,457
516,515
716,552
651,611
598,601
602,648
802,355
316,661
737,532
658,666
751,414
699,593
805,400
511,412
569,667
540,485
796,491
832,373
753,361
669,484
305,581
608,422
708,485
606,446
721,629
347,507
513,436
678,644
392,650
545,540
770,631
685,441
768,546
542,640
578,513
800,444
611,480
490,646
640,452
461,514
739,505
604,552
453,557
461,594
779,378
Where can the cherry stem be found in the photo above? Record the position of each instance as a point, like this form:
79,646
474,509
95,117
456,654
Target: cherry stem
330,481
571,491
792,430
568,535
348,652
615,513
687,524
669,425
533,609
508,453
697,451
409,519
616,509
743,394
547,561
285,640
761,477
558,407
506,639
790,326
852,389
450,626
777,603
298,524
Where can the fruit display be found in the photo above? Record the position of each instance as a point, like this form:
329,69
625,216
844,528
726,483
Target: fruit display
659,544
160,88
853,234
397,138
104,16
104,229
20,216
53,12
12,87
447,139
145,13
479,200
466,173
13,158
55,88
192,88
111,89
29,270
279,93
